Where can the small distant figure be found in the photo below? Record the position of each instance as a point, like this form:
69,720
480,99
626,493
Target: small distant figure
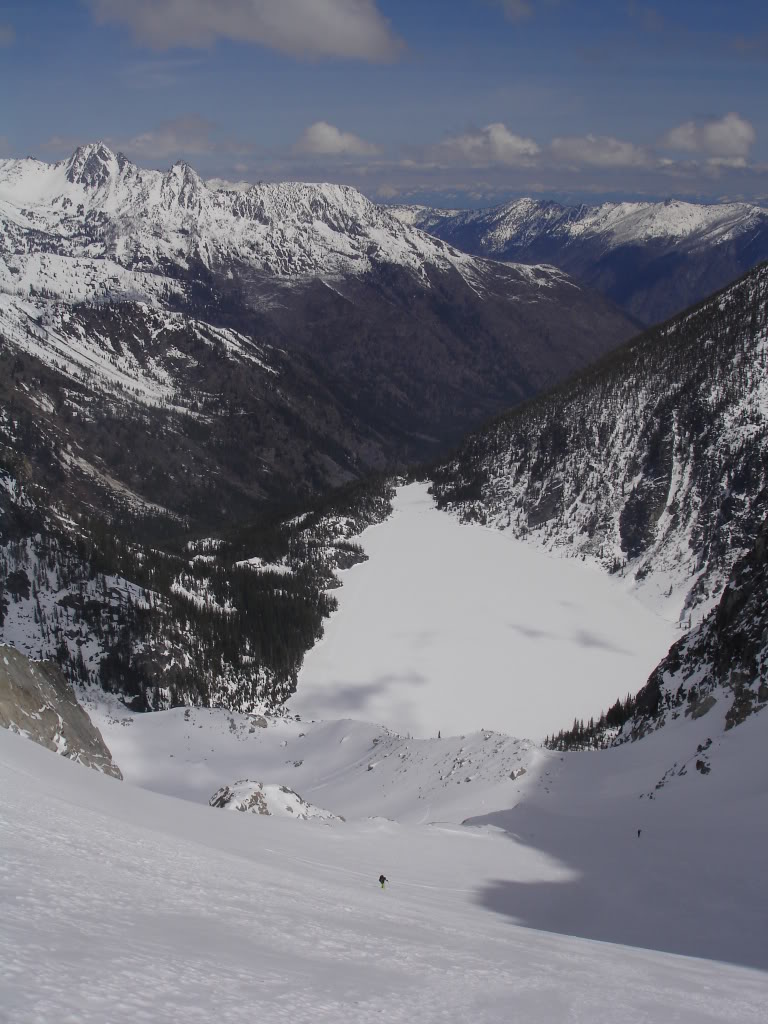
383,880
638,832
438,734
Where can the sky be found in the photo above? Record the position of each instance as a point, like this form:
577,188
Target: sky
449,102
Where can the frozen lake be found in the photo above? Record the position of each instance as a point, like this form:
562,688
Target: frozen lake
455,628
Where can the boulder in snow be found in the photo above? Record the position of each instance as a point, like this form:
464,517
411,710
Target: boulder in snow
258,798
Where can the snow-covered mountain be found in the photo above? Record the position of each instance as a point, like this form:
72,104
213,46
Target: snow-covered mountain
177,360
653,259
298,324
406,322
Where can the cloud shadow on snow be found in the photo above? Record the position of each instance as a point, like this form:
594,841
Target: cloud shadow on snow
636,891
582,637
349,696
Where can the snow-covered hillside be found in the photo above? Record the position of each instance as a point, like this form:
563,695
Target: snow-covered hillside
524,220
121,905
652,258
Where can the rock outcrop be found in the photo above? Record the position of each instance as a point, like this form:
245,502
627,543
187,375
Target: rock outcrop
258,798
38,702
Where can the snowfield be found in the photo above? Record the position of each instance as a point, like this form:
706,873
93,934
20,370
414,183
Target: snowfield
457,628
123,905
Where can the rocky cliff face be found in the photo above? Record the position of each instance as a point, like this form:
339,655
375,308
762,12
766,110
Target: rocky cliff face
725,658
38,702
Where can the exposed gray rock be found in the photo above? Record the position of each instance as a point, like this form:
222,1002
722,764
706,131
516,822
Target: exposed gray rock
257,798
703,706
37,702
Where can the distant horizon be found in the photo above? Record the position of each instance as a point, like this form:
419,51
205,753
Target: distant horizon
449,199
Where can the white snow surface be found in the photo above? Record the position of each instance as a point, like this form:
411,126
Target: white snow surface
458,627
123,905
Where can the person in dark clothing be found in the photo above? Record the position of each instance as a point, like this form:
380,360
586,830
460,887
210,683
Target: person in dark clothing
383,880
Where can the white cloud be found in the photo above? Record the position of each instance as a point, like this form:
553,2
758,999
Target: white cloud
493,144
731,136
313,28
599,151
7,35
323,139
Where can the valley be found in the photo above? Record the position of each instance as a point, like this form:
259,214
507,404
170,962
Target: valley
524,679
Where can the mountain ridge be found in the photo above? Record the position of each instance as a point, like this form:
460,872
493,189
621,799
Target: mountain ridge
653,258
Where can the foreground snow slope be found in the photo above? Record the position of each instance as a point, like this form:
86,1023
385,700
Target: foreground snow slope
562,853
123,905
454,628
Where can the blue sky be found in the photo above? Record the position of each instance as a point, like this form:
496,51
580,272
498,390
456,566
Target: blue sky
460,102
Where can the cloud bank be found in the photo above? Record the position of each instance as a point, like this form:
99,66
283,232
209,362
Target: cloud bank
730,136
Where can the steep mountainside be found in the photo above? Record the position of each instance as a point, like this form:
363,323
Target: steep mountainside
403,338
721,666
127,598
653,259
653,463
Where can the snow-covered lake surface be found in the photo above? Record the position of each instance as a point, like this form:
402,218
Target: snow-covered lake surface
455,628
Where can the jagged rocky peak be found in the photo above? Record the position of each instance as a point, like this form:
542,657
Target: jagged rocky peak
183,185
93,165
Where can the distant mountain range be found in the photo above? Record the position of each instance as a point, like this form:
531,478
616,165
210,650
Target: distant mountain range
652,259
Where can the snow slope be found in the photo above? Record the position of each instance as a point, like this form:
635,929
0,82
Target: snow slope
455,628
124,905
557,846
